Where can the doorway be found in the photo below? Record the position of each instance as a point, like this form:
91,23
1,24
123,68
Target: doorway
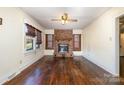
121,44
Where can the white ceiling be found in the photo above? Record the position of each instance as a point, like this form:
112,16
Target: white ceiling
84,15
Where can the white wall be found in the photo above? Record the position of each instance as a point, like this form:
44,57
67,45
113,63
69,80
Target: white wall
75,31
101,40
31,57
12,57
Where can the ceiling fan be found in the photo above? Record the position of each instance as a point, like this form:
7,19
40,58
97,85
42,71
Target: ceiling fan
65,19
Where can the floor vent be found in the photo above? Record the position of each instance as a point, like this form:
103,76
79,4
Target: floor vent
12,76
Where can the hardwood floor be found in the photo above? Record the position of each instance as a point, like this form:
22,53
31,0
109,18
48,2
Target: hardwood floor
60,71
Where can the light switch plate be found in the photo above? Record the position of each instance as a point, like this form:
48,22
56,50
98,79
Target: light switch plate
0,21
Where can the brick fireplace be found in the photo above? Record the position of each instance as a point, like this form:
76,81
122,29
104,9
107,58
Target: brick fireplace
63,43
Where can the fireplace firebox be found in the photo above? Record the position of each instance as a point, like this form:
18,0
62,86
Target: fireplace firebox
62,48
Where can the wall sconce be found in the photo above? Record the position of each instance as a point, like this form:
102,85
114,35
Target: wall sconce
0,21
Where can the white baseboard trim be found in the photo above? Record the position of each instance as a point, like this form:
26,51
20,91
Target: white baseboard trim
103,67
6,77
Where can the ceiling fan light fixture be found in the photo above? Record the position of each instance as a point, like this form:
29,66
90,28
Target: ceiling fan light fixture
63,22
65,19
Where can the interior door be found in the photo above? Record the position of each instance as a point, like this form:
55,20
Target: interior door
122,44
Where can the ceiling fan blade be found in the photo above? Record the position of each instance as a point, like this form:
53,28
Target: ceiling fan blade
72,20
55,19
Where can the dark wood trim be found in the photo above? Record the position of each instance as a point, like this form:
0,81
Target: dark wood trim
77,49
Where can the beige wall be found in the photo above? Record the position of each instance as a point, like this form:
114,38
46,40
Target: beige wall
12,57
75,31
101,40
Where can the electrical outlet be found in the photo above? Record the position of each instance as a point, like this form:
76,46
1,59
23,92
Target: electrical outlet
20,62
110,38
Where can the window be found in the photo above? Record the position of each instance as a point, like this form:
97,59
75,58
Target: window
77,42
49,41
33,33
38,38
29,43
